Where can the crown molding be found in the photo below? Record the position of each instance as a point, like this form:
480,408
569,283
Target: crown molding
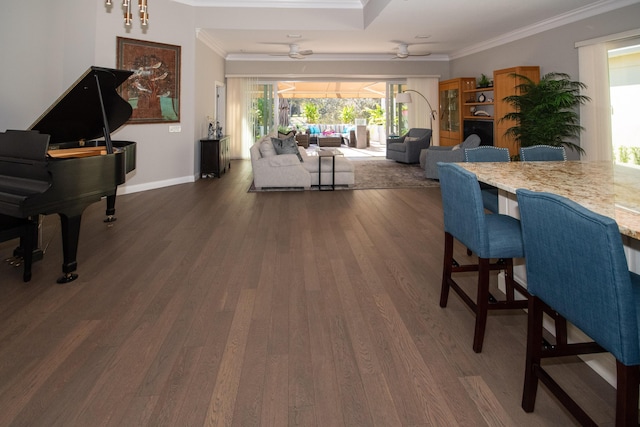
555,22
205,38
324,57
289,4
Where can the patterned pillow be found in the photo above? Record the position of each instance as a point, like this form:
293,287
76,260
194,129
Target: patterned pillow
286,146
286,135
410,138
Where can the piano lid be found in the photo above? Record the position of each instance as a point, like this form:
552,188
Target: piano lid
77,114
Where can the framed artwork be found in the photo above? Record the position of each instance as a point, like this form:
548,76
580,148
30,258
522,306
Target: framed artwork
153,90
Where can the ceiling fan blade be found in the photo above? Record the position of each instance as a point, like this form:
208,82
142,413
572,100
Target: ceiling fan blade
305,52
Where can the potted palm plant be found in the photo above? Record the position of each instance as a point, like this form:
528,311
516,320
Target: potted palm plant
546,112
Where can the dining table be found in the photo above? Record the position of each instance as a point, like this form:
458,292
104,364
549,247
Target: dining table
610,189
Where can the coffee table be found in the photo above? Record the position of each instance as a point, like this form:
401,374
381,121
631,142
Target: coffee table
329,140
323,154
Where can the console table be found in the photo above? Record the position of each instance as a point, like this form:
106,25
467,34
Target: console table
214,157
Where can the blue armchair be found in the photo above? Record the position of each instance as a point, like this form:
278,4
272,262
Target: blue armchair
436,154
406,149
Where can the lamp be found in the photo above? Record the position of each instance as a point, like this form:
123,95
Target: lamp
405,98
126,7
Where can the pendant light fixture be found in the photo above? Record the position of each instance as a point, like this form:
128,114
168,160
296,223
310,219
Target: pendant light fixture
128,16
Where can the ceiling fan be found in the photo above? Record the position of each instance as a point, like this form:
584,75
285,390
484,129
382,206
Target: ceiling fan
402,51
295,52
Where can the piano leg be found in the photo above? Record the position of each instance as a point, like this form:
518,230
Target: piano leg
28,243
70,226
111,209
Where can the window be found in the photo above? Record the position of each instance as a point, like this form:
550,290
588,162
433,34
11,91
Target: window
624,86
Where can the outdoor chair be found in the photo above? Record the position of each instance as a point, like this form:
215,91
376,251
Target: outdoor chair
490,236
576,266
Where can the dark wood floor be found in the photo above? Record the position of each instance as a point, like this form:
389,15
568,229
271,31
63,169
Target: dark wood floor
207,305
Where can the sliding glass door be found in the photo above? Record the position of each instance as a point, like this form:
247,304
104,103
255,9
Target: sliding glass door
264,107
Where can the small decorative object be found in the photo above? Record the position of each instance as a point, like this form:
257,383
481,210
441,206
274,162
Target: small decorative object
472,109
482,98
484,81
218,130
210,129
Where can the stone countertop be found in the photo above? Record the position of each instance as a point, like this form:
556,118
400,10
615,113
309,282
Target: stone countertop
605,188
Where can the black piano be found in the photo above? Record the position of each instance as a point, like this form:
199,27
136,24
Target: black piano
59,167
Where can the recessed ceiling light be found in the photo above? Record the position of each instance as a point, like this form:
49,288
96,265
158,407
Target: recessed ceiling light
294,36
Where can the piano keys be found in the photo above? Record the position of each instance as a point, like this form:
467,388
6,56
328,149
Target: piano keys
58,167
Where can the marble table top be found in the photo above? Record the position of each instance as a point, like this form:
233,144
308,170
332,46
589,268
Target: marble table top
605,188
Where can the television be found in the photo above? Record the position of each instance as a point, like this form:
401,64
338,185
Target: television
482,128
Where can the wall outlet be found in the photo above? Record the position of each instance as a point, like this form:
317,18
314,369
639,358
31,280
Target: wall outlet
175,128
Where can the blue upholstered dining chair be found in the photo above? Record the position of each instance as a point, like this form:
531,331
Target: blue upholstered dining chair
488,153
542,153
490,236
576,266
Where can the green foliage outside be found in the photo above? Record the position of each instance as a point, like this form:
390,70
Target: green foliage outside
546,112
311,113
629,155
330,110
376,115
623,154
348,114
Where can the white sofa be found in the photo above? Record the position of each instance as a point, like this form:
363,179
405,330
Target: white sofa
286,170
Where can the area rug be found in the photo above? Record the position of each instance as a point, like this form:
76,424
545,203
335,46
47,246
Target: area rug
378,173
384,173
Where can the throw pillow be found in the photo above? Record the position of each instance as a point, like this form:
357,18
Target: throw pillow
286,135
410,138
455,147
266,148
286,146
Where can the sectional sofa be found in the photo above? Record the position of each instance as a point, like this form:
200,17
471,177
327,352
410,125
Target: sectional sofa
272,170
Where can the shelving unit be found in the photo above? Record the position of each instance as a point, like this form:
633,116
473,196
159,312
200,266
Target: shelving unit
472,102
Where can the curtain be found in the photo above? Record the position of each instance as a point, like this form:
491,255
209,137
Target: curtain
595,116
418,111
240,115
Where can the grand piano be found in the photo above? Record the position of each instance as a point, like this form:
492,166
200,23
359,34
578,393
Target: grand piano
58,166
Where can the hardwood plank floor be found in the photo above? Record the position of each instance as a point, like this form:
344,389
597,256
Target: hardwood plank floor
207,305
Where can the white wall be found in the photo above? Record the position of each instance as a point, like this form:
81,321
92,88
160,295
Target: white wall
163,158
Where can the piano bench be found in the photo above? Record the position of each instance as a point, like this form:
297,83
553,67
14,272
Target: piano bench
26,230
